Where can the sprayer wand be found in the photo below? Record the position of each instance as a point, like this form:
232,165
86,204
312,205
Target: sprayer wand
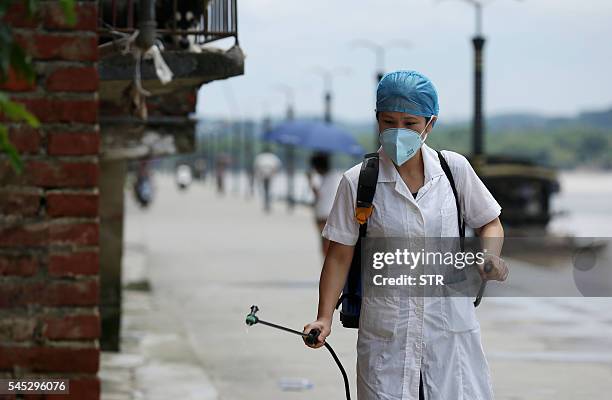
310,338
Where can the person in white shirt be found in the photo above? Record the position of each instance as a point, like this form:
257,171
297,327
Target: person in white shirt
412,347
266,166
324,184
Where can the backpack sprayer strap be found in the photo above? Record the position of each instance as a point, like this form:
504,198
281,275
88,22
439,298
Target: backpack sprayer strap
366,188
461,223
449,176
364,206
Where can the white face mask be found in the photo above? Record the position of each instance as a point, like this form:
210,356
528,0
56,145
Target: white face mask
401,144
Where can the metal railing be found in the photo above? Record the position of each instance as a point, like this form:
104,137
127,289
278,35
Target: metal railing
218,20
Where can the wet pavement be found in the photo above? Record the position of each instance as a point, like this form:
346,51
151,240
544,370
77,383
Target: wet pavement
209,258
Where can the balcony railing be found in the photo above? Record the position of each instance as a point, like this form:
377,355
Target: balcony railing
210,19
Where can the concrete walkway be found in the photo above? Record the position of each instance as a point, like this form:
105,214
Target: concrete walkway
156,361
209,258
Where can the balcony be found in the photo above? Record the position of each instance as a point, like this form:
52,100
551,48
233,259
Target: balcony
141,117
132,97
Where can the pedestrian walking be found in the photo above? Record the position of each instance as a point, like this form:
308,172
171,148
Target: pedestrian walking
223,161
429,347
266,165
323,181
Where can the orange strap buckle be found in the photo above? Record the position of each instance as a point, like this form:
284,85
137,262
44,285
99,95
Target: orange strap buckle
363,213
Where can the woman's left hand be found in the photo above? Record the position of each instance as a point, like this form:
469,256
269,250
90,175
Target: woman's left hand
498,268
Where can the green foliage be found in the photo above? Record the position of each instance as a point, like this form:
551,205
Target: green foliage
567,147
13,57
69,12
16,111
9,149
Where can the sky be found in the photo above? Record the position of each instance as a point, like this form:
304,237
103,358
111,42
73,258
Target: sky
551,57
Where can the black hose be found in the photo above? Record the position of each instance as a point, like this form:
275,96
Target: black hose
310,338
339,364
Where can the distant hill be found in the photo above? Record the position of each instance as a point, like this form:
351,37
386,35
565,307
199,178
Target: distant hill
583,140
601,119
513,122
494,123
521,121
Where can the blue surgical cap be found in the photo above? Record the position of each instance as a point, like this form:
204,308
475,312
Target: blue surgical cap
408,92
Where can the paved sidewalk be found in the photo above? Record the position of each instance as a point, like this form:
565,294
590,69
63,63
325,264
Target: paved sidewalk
209,258
155,362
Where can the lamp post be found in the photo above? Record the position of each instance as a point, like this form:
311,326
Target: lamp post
328,77
478,43
380,53
236,153
289,148
289,97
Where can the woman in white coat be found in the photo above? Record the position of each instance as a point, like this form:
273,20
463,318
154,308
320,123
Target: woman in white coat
418,347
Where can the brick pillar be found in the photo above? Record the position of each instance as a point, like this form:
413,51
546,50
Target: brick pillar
49,284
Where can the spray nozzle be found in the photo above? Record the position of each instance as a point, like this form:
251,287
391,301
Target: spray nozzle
313,337
252,319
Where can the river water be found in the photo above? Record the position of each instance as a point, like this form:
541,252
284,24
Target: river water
583,207
586,203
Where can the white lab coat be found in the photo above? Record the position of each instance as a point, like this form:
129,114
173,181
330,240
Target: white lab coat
403,336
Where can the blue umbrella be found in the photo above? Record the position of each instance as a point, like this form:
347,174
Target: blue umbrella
314,135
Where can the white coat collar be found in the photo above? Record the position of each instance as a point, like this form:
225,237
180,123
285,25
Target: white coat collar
431,166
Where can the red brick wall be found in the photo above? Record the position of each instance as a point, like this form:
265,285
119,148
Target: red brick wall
49,320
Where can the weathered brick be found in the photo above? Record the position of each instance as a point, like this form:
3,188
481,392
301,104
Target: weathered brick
17,16
79,233
86,16
72,204
73,143
80,389
18,294
50,359
63,174
34,274
72,327
33,234
25,139
17,329
57,46
17,83
18,265
74,263
49,293
19,203
79,293
61,110
51,174
73,79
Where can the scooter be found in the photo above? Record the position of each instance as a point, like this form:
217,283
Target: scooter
310,338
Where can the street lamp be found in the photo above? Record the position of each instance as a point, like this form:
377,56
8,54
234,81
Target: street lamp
289,93
478,41
289,148
380,52
328,74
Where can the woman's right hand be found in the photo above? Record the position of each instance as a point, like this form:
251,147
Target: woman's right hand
324,326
